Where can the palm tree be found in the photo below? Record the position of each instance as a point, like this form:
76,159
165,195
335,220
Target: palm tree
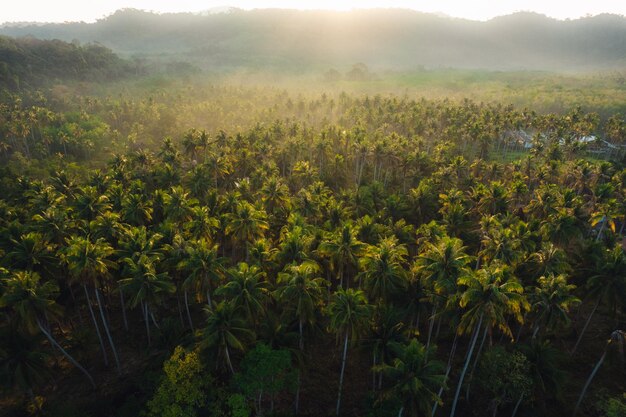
605,215
414,379
136,209
608,285
490,294
383,273
387,329
344,250
202,224
204,266
247,290
32,252
22,364
440,265
145,286
88,262
349,313
552,301
300,289
246,224
225,329
545,369
33,303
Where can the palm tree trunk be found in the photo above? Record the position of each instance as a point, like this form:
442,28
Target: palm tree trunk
123,309
144,307
180,309
95,322
582,332
343,368
480,349
593,374
188,313
517,404
448,369
106,329
230,364
430,330
297,405
467,361
374,372
152,317
601,229
67,355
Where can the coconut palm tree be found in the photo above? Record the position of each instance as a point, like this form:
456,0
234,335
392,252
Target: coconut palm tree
300,289
551,302
34,304
204,267
607,285
89,263
246,224
490,294
225,329
344,250
383,273
145,286
439,266
414,379
349,313
247,289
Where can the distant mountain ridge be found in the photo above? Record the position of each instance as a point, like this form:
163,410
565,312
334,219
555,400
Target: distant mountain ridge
382,39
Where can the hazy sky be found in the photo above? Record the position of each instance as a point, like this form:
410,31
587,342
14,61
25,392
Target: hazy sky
90,10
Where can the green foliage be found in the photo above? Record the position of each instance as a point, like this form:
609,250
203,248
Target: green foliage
503,377
238,406
613,407
186,387
264,371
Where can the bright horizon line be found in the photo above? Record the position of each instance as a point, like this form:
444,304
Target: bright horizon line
70,11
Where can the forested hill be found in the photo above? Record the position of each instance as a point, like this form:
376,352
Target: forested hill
382,39
29,62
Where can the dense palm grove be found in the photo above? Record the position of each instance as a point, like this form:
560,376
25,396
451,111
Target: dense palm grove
356,256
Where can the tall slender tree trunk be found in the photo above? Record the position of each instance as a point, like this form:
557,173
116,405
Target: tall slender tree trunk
106,329
431,324
144,307
69,357
230,364
188,313
480,349
517,404
467,361
123,309
343,368
95,322
588,382
604,220
374,372
400,411
448,369
582,332
180,310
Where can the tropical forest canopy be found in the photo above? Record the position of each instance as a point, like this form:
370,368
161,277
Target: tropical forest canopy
351,241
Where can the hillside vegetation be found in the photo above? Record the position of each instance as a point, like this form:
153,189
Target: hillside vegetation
382,39
30,63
